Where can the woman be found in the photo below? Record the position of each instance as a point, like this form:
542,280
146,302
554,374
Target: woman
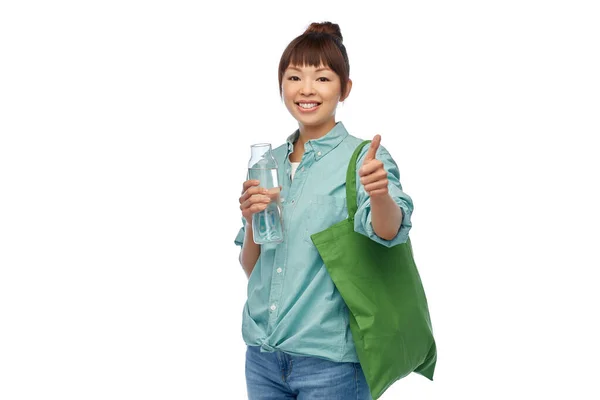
295,322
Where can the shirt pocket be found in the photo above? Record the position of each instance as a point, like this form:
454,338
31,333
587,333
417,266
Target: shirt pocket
324,211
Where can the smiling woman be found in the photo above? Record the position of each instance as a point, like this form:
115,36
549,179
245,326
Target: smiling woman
294,313
314,77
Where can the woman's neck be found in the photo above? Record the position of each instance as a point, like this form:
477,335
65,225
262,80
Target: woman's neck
315,132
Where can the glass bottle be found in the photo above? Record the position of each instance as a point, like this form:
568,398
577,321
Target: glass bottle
267,225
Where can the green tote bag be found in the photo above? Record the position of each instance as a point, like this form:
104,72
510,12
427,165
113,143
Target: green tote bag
389,316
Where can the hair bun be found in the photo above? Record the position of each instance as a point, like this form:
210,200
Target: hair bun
325,27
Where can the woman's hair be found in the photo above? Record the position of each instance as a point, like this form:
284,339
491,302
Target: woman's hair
320,44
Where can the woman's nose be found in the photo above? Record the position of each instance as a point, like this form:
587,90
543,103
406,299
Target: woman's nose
307,88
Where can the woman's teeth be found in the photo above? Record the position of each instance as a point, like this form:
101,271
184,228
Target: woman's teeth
308,105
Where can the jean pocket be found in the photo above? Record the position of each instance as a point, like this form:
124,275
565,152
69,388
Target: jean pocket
324,211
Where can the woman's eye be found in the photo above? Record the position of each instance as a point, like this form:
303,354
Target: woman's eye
323,79
294,78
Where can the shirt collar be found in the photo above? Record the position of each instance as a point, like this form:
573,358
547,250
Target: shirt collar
322,145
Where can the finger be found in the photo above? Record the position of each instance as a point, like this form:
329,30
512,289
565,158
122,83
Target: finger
378,192
251,192
374,177
373,149
248,212
274,192
274,195
370,167
376,186
249,183
256,199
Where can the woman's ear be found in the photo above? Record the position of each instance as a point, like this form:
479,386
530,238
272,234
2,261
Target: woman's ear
348,89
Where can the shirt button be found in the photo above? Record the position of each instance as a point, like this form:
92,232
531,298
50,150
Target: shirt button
279,270
273,307
319,153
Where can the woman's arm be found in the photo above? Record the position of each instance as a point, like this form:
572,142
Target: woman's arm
254,199
250,251
384,210
386,216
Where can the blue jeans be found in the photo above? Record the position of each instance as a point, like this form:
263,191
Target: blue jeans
278,376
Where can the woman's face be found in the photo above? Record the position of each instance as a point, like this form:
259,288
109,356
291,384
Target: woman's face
311,94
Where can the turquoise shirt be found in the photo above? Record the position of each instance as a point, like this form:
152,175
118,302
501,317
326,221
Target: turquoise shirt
293,305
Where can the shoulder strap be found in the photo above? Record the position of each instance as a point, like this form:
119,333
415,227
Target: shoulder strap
351,181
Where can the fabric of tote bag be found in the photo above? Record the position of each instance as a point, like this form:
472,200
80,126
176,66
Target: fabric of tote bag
389,316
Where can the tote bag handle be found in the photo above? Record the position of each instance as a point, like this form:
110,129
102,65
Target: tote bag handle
351,182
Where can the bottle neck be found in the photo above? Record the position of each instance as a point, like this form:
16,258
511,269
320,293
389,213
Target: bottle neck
259,151
262,156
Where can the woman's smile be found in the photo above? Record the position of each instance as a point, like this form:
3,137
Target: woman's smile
307,106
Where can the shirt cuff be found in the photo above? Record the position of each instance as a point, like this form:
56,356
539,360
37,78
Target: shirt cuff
362,223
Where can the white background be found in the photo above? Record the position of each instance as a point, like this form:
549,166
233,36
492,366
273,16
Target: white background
125,132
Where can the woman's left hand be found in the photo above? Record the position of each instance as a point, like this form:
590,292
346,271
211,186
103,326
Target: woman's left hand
373,175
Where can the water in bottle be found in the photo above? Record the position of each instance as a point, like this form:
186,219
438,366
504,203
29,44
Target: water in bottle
267,225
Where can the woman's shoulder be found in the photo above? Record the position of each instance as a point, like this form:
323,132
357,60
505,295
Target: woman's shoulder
351,142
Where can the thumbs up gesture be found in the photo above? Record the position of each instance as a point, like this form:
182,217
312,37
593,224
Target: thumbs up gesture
373,175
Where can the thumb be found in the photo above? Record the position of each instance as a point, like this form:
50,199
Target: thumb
373,149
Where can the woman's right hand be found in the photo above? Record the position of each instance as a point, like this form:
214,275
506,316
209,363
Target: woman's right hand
254,199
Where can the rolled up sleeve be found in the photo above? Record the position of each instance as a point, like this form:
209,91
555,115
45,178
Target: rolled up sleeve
362,219
239,239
